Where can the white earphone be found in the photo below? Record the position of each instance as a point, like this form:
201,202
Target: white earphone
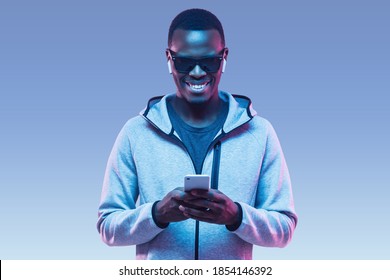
223,65
169,67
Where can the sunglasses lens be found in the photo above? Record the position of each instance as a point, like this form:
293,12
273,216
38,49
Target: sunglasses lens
185,64
210,64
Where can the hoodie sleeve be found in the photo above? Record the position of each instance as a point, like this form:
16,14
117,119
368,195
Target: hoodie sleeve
272,220
120,221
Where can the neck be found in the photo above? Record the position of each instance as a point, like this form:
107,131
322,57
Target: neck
198,115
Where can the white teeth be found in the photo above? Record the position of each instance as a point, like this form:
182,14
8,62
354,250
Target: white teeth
197,87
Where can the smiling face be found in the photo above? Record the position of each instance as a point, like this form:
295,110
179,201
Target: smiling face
197,86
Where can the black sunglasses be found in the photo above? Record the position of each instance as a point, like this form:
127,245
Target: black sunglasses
186,64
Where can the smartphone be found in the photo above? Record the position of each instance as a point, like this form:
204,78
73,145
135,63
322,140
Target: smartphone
196,182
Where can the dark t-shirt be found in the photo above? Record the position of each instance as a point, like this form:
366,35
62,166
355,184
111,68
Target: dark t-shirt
197,140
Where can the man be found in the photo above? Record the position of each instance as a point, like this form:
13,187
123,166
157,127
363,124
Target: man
201,130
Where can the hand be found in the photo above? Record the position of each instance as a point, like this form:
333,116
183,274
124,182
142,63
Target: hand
167,210
210,206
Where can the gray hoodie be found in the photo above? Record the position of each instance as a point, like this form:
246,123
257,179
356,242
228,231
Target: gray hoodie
148,161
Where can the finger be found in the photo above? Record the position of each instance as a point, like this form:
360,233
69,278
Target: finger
201,193
208,219
201,203
181,195
196,213
213,195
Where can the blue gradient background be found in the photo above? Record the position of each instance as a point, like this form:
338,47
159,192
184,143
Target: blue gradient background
72,73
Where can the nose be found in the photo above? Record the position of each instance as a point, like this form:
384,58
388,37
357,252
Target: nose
197,72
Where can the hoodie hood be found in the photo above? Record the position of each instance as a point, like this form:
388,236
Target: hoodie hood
240,111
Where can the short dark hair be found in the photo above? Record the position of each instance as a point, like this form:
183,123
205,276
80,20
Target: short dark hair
195,19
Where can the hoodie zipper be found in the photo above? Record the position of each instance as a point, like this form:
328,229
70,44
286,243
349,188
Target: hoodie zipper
215,170
214,185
